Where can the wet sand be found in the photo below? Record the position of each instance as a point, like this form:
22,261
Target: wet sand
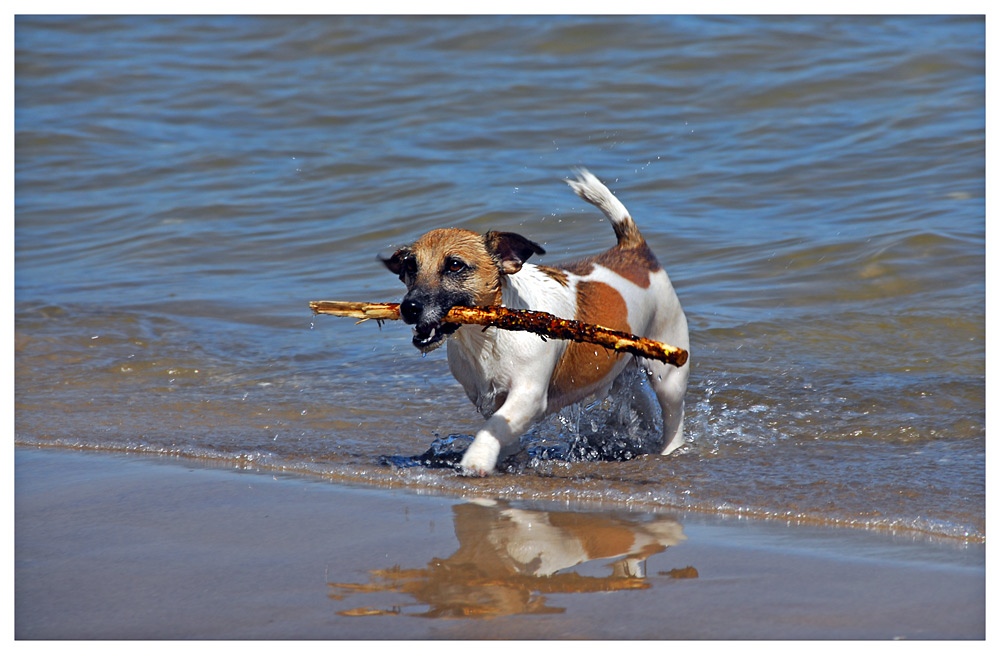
127,547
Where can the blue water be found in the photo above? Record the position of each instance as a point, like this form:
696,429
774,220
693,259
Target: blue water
815,186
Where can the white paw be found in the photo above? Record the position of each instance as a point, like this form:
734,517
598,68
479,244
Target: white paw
481,457
674,444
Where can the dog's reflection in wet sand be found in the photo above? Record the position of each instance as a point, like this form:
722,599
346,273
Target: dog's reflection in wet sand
509,559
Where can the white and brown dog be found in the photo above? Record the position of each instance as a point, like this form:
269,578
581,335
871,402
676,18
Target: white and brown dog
516,378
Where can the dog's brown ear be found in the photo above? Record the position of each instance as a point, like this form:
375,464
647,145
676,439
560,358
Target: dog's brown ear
395,262
511,250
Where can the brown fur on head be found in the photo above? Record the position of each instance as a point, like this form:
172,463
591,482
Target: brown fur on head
454,267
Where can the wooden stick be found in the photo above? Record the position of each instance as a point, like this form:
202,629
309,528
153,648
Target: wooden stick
523,320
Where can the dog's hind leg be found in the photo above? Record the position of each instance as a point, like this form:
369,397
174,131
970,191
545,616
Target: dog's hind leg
669,384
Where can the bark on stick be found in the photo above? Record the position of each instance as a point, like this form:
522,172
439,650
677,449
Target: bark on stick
540,323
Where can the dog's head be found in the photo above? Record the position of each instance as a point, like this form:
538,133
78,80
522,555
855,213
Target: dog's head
454,268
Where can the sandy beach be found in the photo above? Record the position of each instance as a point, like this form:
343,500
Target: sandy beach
127,547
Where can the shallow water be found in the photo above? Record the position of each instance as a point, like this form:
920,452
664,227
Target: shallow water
814,186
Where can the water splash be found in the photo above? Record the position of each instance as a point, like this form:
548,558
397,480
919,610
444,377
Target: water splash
444,452
618,427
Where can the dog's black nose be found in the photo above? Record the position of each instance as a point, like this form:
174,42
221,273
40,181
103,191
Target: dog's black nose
411,310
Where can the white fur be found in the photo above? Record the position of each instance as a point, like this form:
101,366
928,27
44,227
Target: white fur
532,542
507,374
588,187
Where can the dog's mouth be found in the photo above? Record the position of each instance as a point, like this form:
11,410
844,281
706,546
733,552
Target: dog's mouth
428,337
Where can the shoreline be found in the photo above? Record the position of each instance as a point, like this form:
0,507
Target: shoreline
124,546
389,482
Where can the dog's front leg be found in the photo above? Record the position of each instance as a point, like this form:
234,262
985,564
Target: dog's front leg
500,434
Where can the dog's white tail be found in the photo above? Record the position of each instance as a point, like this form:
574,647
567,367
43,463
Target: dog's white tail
591,189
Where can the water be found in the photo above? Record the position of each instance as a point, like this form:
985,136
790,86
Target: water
814,186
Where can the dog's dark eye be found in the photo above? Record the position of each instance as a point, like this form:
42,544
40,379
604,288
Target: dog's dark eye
410,265
453,265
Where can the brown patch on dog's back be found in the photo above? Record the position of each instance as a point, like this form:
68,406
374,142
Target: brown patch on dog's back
582,365
632,263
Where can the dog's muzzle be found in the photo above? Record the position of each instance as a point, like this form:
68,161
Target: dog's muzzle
429,331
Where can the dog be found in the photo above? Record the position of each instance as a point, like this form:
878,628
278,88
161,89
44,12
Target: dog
517,378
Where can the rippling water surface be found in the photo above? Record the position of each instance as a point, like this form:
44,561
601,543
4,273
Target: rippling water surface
814,186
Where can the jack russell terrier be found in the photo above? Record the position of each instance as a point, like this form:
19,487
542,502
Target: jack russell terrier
517,378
